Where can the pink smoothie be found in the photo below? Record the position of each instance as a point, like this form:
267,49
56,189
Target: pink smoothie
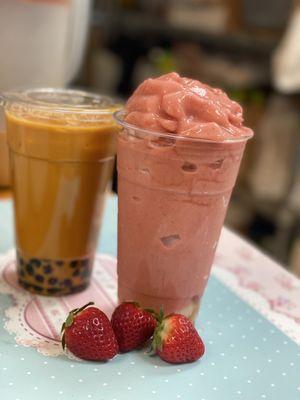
178,158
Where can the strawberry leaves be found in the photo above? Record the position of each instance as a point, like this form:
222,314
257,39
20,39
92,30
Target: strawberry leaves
70,319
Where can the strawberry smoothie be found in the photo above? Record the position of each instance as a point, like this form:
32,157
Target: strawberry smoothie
178,158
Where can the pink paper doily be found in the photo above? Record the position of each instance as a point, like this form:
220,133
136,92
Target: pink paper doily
36,320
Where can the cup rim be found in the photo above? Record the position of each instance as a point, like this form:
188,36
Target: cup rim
91,103
119,118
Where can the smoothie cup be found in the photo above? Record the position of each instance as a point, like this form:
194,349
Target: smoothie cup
173,196
62,145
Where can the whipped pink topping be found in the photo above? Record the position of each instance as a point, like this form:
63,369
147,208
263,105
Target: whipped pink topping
187,107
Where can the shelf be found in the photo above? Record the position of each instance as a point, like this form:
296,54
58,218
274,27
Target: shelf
138,25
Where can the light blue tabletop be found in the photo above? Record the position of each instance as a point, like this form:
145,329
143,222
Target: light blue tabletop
247,358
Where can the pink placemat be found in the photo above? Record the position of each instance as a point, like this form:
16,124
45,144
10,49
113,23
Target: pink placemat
260,281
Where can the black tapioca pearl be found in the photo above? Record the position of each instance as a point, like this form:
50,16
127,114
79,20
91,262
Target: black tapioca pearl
85,273
35,262
79,288
29,269
38,289
52,281
48,269
74,264
60,263
33,288
21,262
22,273
53,290
67,282
39,278
85,262
24,284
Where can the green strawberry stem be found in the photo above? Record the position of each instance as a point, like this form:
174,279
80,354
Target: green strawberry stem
159,316
70,319
63,341
78,310
157,340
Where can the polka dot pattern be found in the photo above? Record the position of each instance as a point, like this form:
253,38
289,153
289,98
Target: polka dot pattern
246,357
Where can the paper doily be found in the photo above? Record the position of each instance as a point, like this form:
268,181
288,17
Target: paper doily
36,320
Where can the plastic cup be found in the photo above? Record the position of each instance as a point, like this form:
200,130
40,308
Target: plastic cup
4,159
62,145
173,196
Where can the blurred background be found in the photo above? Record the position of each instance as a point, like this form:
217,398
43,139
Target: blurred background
250,48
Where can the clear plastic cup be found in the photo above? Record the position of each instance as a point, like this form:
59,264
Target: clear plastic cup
173,196
62,145
4,159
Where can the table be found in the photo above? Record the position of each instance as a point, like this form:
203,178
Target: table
249,320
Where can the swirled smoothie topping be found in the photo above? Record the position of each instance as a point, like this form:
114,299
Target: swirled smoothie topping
187,107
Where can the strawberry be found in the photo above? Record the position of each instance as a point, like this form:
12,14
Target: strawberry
176,340
132,325
88,334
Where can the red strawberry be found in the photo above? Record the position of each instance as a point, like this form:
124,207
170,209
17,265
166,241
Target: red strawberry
132,325
176,340
88,334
